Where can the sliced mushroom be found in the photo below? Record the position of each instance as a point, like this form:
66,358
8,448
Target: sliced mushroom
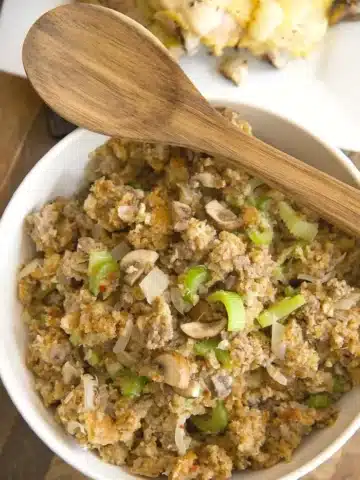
135,262
192,391
209,180
176,369
133,274
140,257
181,215
224,217
200,330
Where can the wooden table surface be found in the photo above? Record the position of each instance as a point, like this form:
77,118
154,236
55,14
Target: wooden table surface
24,138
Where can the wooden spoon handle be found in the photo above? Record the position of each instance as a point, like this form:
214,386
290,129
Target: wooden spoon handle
332,199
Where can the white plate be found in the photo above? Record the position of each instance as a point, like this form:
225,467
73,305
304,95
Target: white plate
321,93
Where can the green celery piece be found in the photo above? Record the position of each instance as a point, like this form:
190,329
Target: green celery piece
192,279
250,200
297,226
75,339
263,234
259,237
203,347
93,358
263,203
101,264
339,384
319,400
223,356
280,309
214,422
135,185
131,385
234,308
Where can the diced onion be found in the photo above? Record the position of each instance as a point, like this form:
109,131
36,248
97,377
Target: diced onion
90,385
123,340
125,359
154,284
178,301
348,302
126,213
182,441
120,251
69,372
113,368
72,426
103,397
278,346
68,397
307,278
192,391
29,268
276,375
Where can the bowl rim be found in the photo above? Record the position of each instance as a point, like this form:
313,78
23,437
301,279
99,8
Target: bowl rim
35,421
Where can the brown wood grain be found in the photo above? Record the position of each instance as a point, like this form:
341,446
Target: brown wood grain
19,106
126,84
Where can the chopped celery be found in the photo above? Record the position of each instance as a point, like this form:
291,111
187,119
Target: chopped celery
203,347
234,201
92,358
263,233
192,279
250,201
297,226
234,308
101,265
263,203
280,309
223,356
319,400
259,237
135,185
113,369
339,384
214,422
131,385
43,317
75,339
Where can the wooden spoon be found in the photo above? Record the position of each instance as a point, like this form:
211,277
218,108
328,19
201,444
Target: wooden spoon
103,71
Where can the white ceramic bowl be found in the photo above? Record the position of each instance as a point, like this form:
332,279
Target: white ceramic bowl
60,172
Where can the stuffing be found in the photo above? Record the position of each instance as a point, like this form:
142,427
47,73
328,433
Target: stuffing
177,326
